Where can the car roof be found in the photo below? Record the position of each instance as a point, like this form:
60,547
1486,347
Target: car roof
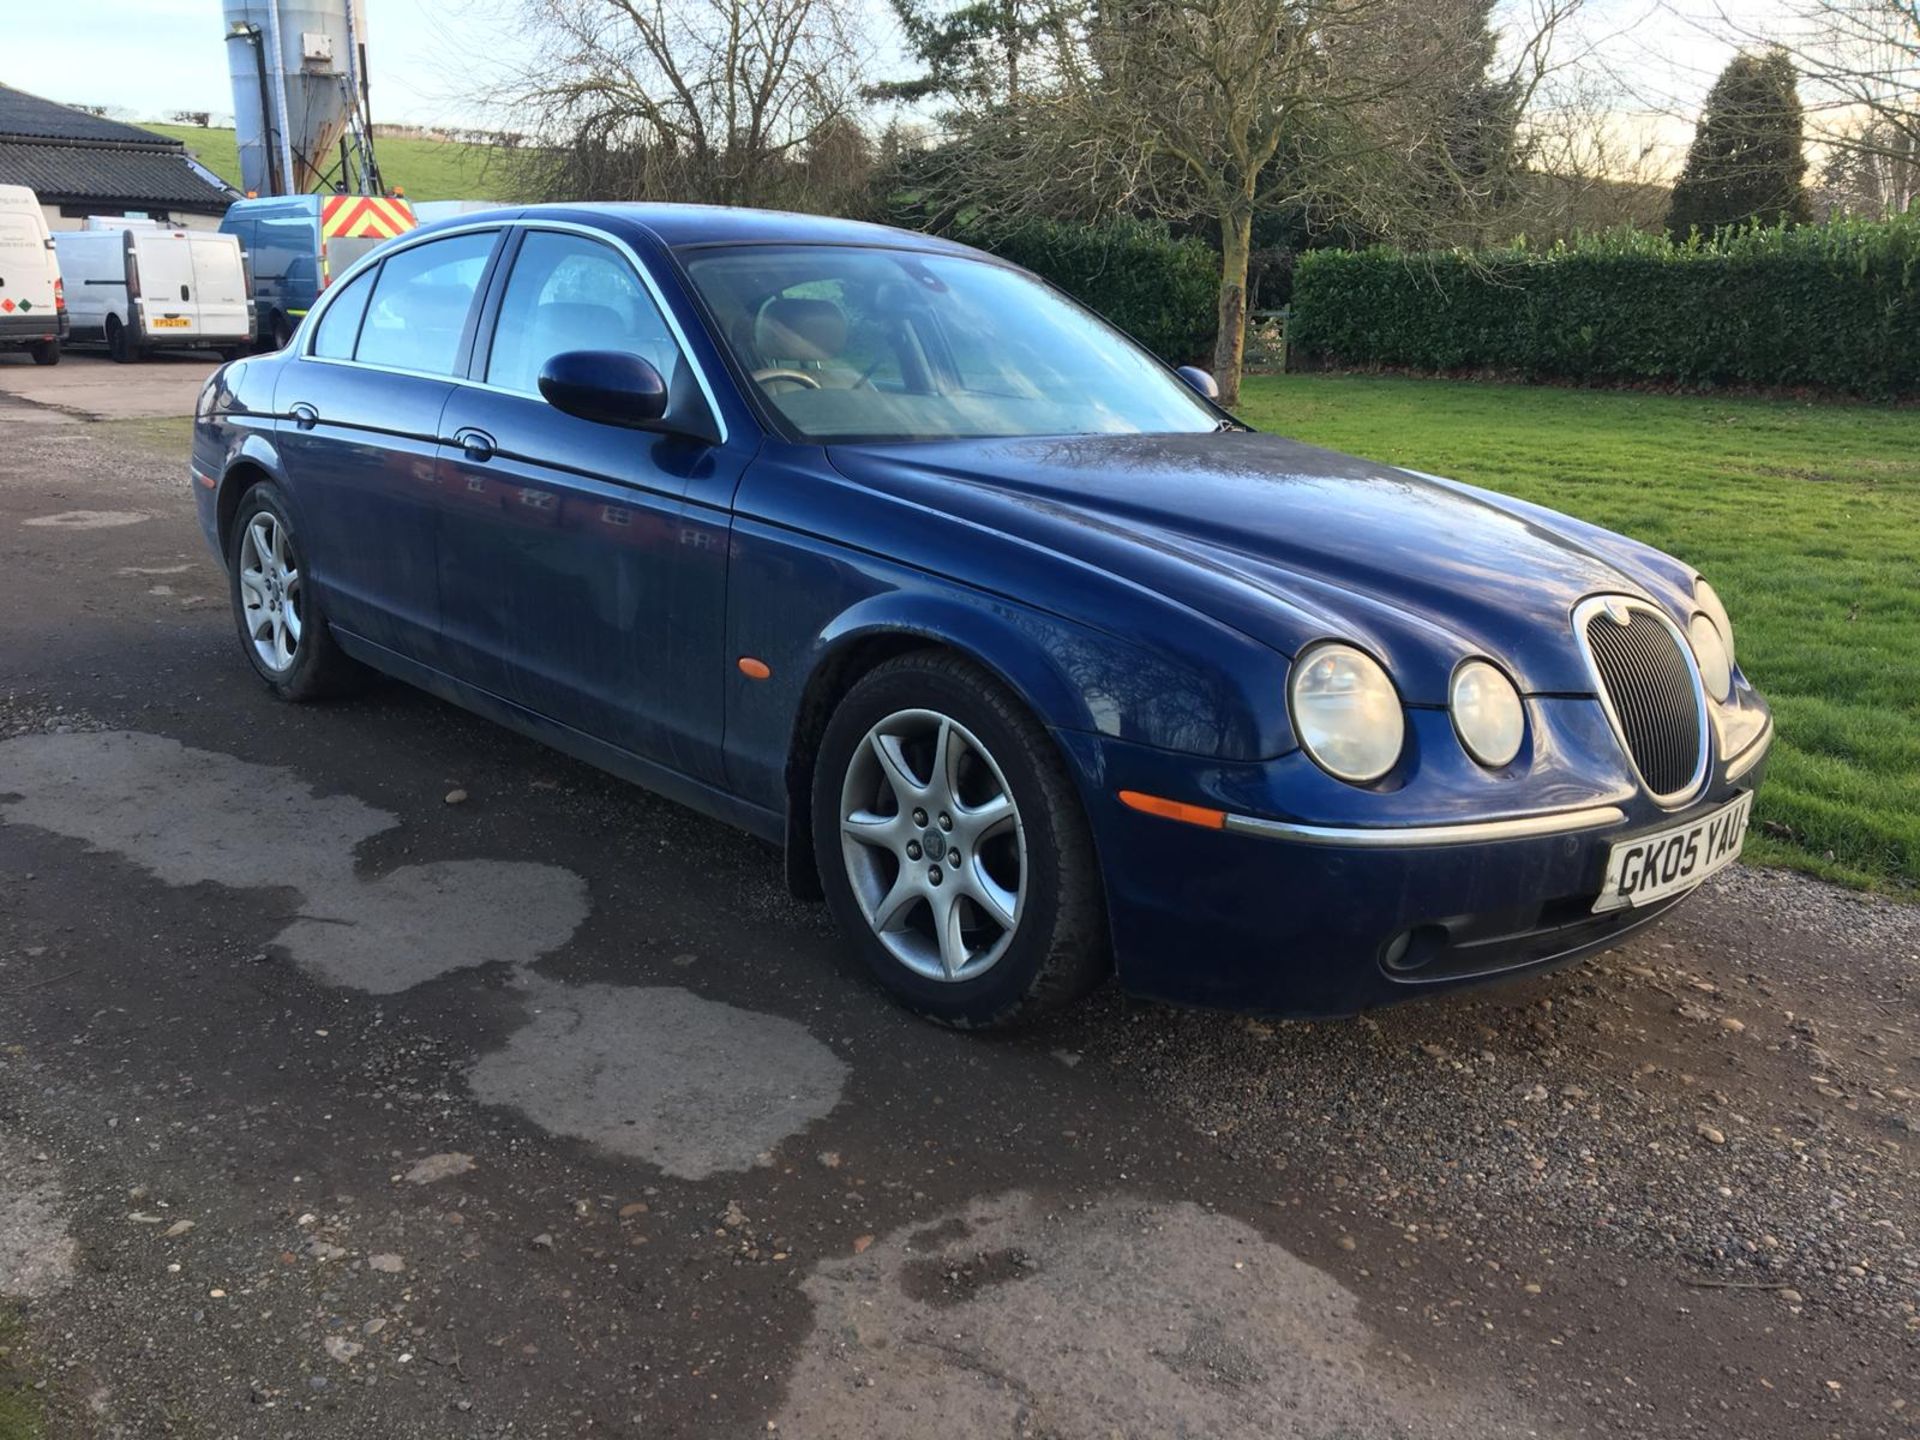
679,226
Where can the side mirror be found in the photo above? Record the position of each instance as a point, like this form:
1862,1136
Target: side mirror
608,386
1200,380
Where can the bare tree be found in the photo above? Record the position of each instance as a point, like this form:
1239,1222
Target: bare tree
1220,109
704,100
1592,164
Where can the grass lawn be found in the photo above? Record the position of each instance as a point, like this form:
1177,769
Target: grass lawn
425,169
22,1416
1806,518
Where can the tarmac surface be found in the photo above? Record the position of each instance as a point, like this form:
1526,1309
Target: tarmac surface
331,1106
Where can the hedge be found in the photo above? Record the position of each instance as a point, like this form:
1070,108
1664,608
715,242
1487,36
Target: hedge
1161,290
1832,306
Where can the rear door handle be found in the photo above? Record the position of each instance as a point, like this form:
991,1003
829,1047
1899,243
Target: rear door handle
305,416
183,292
476,445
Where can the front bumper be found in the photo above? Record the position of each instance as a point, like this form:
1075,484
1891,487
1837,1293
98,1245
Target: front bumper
1303,919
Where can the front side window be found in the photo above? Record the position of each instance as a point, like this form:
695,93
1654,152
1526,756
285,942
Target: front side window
570,292
849,343
420,303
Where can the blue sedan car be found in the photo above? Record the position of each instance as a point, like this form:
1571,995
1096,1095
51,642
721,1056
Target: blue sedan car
1033,661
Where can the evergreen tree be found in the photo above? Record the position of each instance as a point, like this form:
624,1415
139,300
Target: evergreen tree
1747,162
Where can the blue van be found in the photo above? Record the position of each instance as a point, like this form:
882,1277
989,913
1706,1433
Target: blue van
299,243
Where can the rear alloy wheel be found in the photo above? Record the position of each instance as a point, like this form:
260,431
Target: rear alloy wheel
953,848
287,640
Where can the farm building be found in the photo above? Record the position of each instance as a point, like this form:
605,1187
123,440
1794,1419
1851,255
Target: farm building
81,165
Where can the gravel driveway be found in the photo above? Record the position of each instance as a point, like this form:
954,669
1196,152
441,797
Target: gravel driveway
331,1108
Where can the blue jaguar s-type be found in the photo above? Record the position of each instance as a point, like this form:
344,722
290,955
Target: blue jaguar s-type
1033,660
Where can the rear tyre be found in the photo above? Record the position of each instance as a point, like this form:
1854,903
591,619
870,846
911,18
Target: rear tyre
283,632
45,352
230,353
953,849
281,331
120,342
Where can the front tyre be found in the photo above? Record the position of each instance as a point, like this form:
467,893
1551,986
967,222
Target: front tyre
952,846
282,630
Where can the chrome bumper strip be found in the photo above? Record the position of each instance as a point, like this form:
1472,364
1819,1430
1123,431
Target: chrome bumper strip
1467,832
1753,754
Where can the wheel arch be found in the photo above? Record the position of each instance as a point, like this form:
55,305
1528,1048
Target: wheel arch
254,463
858,645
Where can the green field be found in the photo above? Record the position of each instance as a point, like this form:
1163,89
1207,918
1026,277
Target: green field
1806,518
424,169
22,1416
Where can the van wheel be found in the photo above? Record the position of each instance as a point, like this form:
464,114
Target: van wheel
120,342
282,331
230,353
45,352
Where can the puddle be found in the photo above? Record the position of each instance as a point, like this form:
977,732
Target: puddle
191,816
659,1074
88,519
36,1253
1119,1318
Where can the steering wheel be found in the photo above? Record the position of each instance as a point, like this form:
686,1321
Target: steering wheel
798,377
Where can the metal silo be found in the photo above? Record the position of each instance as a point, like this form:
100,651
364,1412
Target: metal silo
298,69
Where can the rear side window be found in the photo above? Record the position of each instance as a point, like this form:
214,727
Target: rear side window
340,325
420,303
568,292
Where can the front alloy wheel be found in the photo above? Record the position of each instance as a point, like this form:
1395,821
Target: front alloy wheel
952,846
933,845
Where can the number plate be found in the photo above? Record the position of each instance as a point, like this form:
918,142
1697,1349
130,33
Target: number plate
169,322
1652,867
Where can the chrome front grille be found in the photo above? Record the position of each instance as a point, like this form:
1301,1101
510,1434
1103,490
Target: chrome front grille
1651,689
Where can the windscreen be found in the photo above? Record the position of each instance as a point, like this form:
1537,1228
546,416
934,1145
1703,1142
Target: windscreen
874,344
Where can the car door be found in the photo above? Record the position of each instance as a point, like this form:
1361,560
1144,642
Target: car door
580,577
359,422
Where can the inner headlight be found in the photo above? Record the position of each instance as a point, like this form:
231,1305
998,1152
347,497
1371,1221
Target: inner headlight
1346,713
1487,713
1716,660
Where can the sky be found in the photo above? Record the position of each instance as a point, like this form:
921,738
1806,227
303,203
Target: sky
431,60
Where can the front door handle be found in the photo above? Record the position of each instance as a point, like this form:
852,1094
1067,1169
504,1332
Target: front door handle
305,416
476,445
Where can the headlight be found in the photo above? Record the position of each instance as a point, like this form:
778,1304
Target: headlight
1346,713
1710,649
1487,713
1709,602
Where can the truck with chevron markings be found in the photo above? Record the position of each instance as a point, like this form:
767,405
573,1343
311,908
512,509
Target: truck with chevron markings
300,244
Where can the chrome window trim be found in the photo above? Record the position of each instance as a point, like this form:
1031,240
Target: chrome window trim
1464,832
304,341
1703,763
1755,752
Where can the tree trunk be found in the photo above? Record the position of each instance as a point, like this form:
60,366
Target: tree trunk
1236,247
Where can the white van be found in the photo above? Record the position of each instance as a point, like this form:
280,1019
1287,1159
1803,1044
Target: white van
33,308
137,285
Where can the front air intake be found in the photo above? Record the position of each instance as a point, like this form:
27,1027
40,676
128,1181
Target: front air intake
1651,689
